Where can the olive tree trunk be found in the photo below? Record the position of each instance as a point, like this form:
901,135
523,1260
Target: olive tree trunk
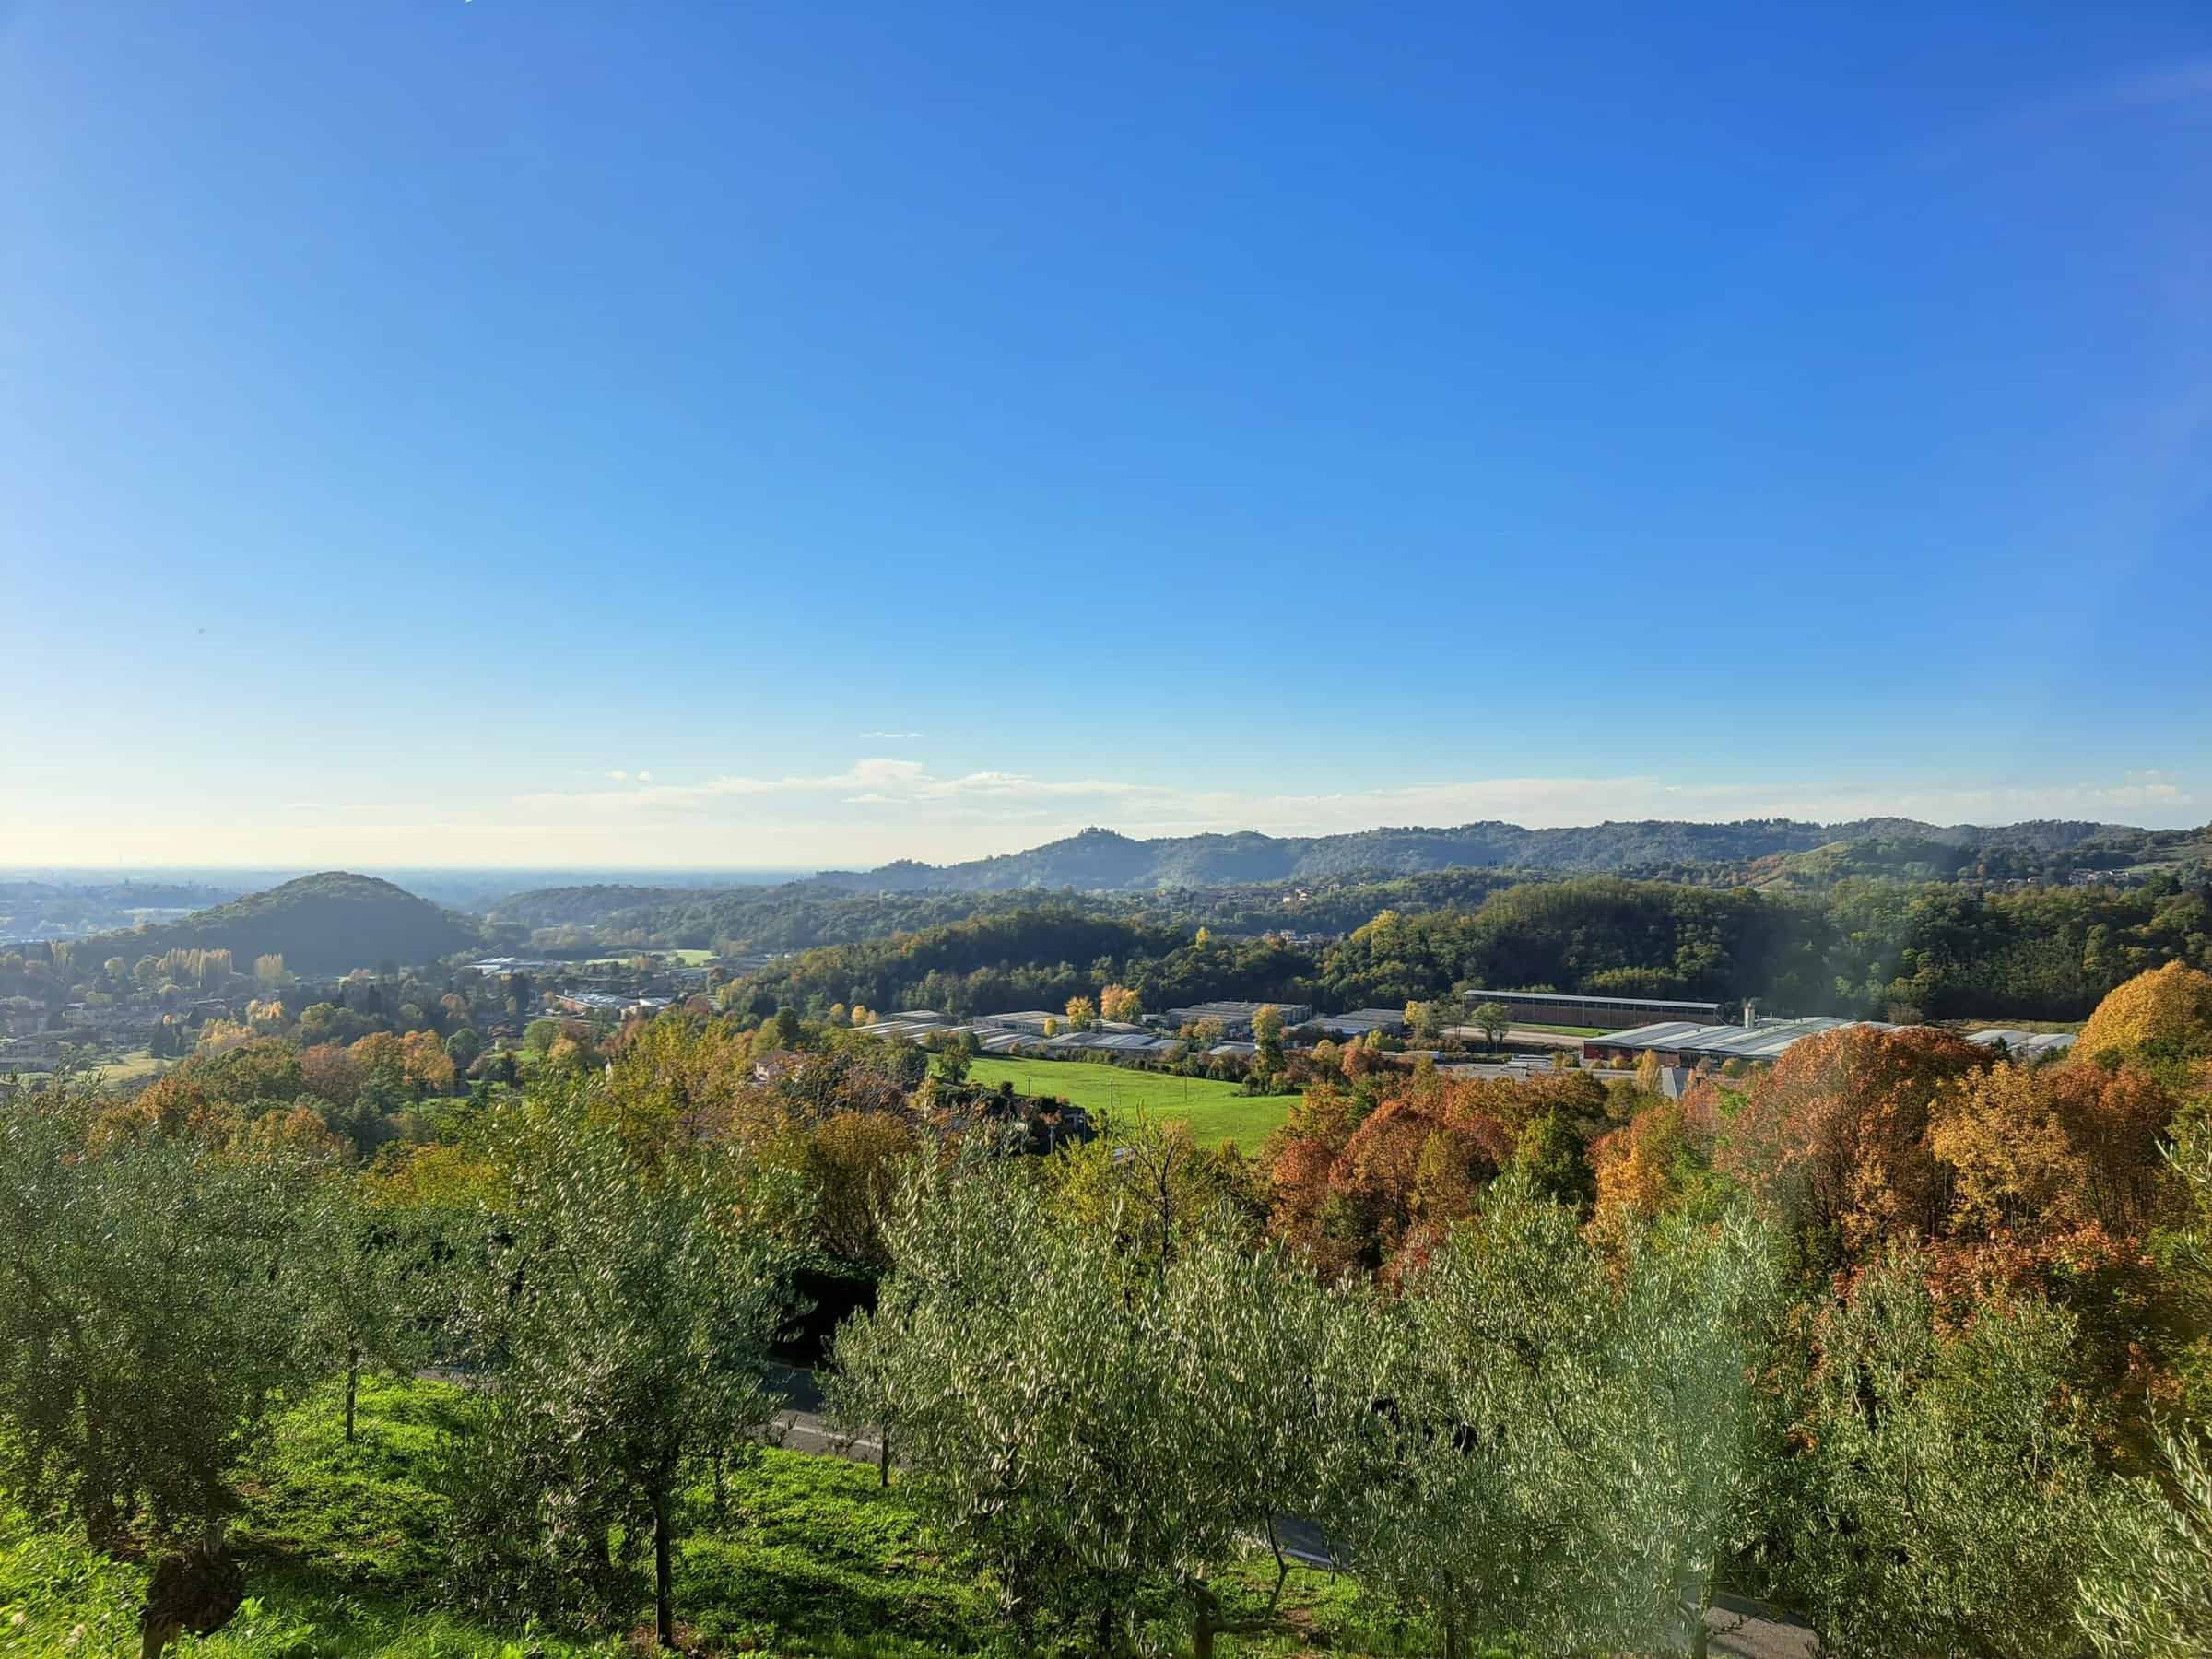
663,1589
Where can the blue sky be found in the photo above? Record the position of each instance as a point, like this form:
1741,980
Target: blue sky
494,432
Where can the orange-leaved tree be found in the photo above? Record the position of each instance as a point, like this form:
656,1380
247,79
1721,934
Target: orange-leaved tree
1836,1135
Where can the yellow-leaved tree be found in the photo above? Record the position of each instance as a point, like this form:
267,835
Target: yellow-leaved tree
1120,1002
2166,1012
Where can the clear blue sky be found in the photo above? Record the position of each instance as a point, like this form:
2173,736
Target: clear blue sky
926,429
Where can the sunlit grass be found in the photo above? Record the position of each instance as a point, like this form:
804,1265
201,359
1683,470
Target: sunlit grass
1216,1112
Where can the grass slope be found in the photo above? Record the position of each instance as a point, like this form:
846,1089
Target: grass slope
1216,1112
811,1557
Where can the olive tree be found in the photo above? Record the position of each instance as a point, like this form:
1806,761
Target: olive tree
376,1293
150,1295
1950,1494
1700,1343
1492,1492
2147,1591
152,1287
1107,1427
622,1318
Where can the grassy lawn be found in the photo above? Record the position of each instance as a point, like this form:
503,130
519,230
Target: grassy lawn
687,957
343,1552
1529,1025
128,1067
1214,1112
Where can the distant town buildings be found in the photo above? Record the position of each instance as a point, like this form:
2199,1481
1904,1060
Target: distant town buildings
1236,1017
605,1004
1391,1022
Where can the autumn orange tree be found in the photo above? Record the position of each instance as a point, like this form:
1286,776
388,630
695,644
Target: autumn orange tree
1375,1187
2041,1154
1836,1135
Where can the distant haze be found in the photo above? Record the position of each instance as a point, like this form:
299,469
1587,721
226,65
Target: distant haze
1095,857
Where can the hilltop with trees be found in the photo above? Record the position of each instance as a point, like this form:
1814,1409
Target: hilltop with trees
327,923
1254,883
1101,859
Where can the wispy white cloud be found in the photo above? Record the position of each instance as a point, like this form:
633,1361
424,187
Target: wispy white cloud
861,774
895,736
364,806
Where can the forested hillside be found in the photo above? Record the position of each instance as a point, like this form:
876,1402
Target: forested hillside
1862,947
1102,860
802,914
1254,883
319,923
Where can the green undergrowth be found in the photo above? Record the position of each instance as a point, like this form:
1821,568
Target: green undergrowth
807,1556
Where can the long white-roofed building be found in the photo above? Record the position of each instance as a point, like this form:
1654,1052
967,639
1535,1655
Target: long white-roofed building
1680,1042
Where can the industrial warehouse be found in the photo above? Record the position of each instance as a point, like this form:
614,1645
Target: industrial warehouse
1575,1007
1682,1047
1759,1042
1680,1042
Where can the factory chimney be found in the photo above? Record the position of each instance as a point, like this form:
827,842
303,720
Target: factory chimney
1750,1013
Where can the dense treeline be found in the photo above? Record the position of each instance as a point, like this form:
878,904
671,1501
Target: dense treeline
802,915
1895,1333
1026,958
829,910
1863,947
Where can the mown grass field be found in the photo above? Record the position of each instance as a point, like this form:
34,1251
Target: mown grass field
1216,1112
129,1067
343,1552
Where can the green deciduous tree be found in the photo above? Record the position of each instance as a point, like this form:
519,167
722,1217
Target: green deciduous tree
1494,1020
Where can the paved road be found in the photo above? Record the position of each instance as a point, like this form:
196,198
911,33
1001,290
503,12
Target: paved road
801,1427
1741,1629
1749,1630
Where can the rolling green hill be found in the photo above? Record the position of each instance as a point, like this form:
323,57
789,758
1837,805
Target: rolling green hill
1103,860
324,924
